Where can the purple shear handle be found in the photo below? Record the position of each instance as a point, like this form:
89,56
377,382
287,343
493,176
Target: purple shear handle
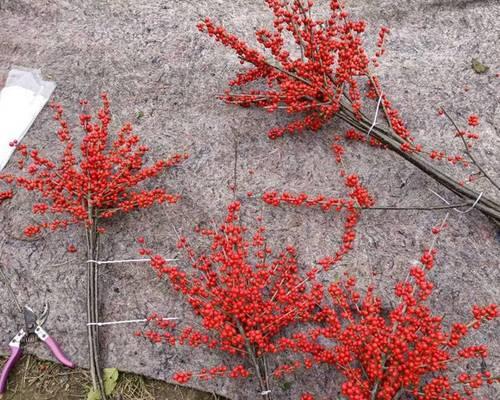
15,355
53,346
58,353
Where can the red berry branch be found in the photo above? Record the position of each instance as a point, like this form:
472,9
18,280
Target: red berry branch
8,194
318,75
359,198
404,352
394,354
254,305
246,296
94,179
389,354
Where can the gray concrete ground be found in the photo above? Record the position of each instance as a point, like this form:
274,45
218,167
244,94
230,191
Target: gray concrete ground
153,62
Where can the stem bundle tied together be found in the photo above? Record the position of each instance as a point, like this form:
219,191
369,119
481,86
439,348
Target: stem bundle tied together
323,82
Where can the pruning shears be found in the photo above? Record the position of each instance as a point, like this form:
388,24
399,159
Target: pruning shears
33,329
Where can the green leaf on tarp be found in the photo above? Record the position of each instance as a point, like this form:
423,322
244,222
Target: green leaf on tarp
110,379
479,67
93,395
286,386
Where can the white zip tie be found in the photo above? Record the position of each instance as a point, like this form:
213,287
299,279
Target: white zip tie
376,116
265,392
438,195
125,261
472,206
459,211
128,321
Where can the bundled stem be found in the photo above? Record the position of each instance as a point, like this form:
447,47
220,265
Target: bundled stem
324,83
259,367
98,182
93,306
487,206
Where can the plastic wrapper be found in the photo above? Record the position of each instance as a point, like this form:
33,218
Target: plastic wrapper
24,95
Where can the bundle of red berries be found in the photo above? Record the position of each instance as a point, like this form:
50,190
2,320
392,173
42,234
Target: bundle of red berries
8,194
102,180
247,297
404,352
331,60
255,305
314,68
98,182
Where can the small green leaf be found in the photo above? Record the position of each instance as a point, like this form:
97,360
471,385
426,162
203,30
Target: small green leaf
286,386
479,67
93,395
139,114
110,379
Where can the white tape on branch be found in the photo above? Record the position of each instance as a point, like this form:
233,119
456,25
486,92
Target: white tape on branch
133,260
128,321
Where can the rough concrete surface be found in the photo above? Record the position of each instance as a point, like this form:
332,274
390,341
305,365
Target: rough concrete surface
151,59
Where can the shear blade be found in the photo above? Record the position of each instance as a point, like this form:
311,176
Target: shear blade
32,320
45,313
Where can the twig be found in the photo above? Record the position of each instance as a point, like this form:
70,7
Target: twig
138,260
467,151
128,321
235,172
9,288
93,305
418,208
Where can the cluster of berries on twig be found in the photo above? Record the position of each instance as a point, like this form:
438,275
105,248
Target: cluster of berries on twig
254,305
100,181
246,295
95,178
317,69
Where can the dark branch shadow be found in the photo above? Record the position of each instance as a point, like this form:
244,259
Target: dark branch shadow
459,4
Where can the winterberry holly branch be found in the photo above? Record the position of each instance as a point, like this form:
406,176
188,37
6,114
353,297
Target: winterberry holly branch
317,75
101,181
393,354
246,296
255,305
389,354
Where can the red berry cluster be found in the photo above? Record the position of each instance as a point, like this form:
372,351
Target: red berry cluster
8,194
320,77
384,355
359,198
98,182
205,374
331,60
354,135
473,120
254,304
247,296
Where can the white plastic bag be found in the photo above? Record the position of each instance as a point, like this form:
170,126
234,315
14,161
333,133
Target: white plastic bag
21,100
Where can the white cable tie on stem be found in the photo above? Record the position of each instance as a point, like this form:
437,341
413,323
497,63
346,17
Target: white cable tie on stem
376,116
126,261
459,211
128,321
472,206
265,392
